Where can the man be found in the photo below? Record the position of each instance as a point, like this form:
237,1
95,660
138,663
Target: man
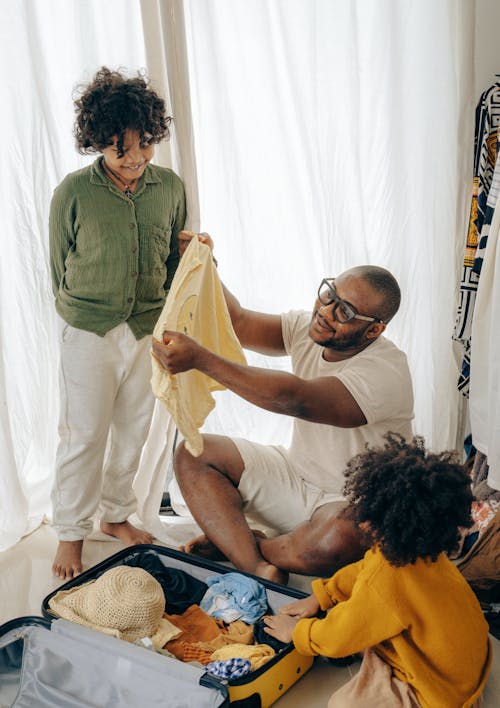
349,387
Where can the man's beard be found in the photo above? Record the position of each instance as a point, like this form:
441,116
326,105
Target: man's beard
342,344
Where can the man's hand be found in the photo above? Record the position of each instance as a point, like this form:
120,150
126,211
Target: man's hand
185,237
280,626
307,607
177,353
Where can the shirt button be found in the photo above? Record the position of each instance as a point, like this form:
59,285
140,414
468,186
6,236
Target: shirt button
132,226
130,299
134,275
134,250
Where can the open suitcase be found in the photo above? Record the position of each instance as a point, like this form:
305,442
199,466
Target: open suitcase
48,662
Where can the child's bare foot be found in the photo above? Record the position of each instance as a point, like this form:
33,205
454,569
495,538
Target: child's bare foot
126,533
202,546
68,561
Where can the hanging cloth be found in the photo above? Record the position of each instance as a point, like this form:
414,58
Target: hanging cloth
484,197
196,306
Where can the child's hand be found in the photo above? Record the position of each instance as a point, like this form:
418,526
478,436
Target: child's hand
307,607
280,626
206,238
185,237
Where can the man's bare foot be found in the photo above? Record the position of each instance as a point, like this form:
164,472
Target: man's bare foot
271,572
68,561
202,546
126,533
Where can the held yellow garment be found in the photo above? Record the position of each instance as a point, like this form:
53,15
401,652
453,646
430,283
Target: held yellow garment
195,306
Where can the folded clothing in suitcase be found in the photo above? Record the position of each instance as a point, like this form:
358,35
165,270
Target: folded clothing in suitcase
53,662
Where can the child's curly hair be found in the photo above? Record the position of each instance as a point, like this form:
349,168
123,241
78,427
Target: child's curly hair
113,103
414,500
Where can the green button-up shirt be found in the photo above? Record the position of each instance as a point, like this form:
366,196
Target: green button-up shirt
113,258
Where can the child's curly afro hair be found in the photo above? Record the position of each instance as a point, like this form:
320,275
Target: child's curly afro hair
414,500
113,103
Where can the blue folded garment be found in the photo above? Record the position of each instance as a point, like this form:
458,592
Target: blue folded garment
233,596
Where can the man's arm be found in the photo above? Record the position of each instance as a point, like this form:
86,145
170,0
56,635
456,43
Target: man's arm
322,400
256,330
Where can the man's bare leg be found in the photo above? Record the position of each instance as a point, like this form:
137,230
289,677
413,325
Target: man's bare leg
68,561
127,533
317,547
201,546
320,546
209,486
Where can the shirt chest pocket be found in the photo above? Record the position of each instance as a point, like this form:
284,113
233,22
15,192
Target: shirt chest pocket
154,248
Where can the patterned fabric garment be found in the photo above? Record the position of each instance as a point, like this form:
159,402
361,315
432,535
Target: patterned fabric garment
486,504
232,668
480,566
484,196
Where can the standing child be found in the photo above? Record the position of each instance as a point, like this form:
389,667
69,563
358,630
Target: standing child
405,605
113,252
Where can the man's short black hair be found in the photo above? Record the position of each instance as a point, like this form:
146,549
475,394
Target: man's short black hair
381,281
414,500
112,104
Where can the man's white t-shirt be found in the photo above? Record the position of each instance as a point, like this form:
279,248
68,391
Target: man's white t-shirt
379,380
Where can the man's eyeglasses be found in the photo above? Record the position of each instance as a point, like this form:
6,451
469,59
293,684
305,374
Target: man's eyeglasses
342,311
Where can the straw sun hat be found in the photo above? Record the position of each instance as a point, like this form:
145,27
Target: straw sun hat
125,602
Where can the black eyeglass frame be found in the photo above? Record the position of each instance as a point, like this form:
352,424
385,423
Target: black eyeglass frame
337,302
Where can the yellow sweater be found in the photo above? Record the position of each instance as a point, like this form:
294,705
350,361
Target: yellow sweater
422,619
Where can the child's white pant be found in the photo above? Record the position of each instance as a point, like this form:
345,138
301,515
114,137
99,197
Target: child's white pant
106,408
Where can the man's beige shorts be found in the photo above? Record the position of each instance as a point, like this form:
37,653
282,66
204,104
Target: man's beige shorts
273,492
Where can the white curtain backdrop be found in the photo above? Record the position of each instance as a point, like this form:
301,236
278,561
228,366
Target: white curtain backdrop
330,134
46,48
312,135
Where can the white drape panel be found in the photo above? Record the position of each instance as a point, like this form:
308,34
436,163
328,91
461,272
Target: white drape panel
327,134
165,40
46,47
484,402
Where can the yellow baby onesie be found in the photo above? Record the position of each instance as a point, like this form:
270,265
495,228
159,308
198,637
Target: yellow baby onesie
195,306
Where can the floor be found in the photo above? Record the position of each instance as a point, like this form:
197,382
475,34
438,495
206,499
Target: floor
26,578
